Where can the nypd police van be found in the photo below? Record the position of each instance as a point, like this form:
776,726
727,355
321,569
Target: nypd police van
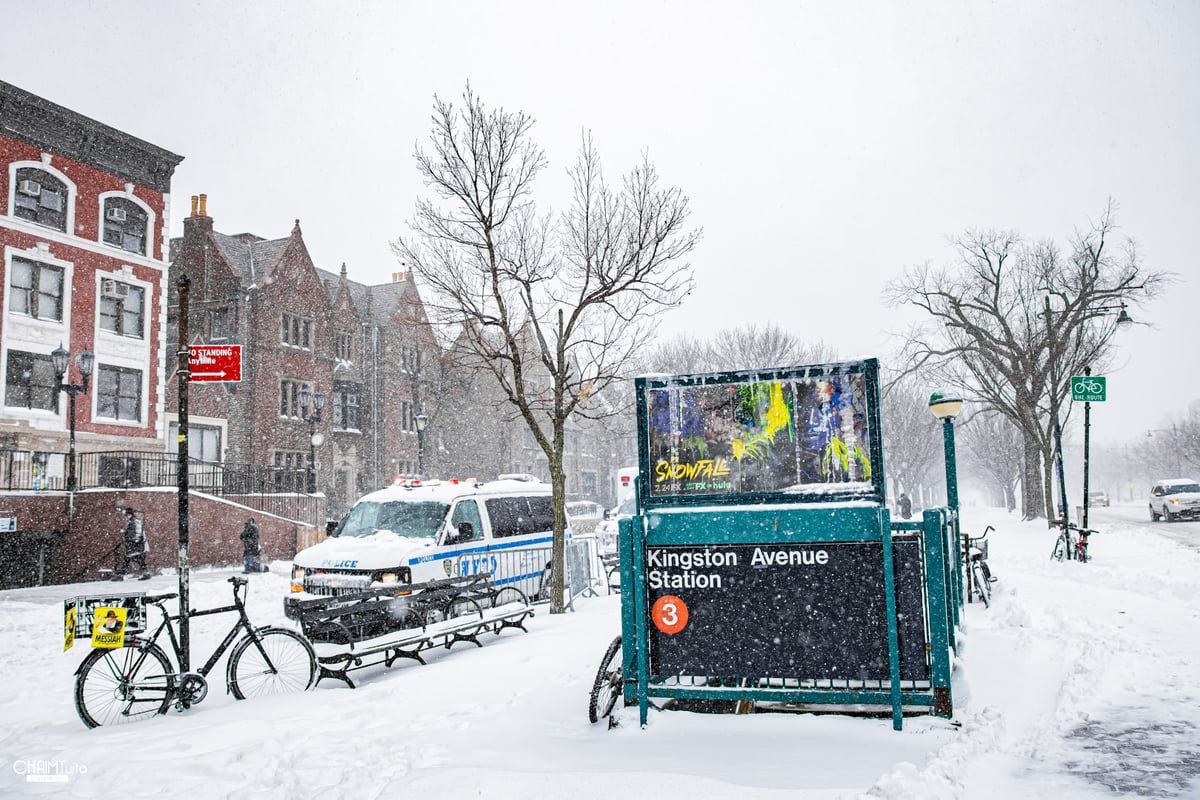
428,530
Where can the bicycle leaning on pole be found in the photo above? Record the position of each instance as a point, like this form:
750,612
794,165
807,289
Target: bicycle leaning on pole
979,575
1072,542
136,681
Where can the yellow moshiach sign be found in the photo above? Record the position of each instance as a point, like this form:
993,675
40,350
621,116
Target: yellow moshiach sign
108,627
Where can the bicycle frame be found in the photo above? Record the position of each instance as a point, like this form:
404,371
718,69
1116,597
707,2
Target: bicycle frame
243,624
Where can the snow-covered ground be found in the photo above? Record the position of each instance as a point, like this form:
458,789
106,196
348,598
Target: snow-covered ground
1079,682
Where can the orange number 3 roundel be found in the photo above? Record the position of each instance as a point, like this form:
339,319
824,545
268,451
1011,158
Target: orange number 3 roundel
670,614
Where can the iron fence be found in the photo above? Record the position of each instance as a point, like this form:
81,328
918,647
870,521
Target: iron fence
272,490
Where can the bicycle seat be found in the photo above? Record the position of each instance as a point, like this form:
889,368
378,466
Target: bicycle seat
158,598
238,581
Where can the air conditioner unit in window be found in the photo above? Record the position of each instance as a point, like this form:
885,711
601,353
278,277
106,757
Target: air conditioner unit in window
31,188
111,288
116,214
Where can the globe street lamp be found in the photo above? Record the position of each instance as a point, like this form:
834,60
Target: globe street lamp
315,439
421,420
84,363
945,405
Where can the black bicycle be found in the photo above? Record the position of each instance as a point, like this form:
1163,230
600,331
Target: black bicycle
980,579
138,680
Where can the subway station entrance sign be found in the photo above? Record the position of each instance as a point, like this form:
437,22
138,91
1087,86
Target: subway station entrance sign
762,562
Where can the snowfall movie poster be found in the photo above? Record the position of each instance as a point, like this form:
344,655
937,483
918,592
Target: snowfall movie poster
758,436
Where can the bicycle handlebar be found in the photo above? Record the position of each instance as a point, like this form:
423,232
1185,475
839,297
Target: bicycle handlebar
1058,523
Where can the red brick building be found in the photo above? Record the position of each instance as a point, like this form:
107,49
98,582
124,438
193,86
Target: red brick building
84,212
302,331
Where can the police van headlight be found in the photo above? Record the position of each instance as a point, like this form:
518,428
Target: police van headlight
388,578
297,578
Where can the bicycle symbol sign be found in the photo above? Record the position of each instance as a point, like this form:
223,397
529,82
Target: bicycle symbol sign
1088,388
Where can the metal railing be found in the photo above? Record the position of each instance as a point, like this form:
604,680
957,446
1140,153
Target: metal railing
273,490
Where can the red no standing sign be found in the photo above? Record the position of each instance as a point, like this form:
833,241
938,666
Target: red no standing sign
211,362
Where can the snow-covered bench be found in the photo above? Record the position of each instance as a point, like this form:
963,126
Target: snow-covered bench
381,625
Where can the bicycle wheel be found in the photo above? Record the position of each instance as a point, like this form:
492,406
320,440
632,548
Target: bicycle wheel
125,684
609,684
983,587
1060,549
271,661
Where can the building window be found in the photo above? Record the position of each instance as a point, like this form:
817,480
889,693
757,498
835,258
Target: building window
204,442
406,416
345,346
36,290
40,198
297,331
587,484
410,359
289,398
29,382
119,393
290,470
219,325
122,308
125,224
346,400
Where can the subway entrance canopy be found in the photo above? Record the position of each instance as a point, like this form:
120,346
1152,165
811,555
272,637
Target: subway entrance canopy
762,565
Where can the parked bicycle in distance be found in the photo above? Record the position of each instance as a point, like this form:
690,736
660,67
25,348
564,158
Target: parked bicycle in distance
979,574
138,680
1072,542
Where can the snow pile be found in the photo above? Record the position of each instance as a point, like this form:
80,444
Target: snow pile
1078,682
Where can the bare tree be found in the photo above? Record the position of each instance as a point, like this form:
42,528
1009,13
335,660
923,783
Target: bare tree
553,309
912,437
997,453
748,347
1012,322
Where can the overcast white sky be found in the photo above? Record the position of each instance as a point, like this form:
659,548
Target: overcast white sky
824,146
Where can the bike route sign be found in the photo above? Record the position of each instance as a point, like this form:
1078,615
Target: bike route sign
1088,388
806,611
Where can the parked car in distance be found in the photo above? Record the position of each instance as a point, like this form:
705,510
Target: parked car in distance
1174,499
1098,498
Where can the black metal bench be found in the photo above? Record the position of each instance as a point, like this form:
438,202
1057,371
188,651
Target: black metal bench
379,626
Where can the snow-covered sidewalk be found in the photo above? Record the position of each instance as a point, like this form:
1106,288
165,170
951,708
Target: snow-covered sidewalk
1078,682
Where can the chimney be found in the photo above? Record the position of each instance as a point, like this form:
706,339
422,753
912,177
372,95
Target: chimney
399,277
198,223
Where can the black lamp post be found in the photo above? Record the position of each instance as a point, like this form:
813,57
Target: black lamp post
317,400
421,420
84,363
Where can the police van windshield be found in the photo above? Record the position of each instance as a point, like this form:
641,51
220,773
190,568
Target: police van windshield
419,520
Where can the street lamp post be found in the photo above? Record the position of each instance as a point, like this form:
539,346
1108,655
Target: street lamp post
84,363
945,405
317,400
1123,319
421,421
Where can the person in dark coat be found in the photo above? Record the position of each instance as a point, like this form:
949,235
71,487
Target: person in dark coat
250,547
905,506
135,546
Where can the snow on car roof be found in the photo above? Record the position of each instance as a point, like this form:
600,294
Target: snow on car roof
448,491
